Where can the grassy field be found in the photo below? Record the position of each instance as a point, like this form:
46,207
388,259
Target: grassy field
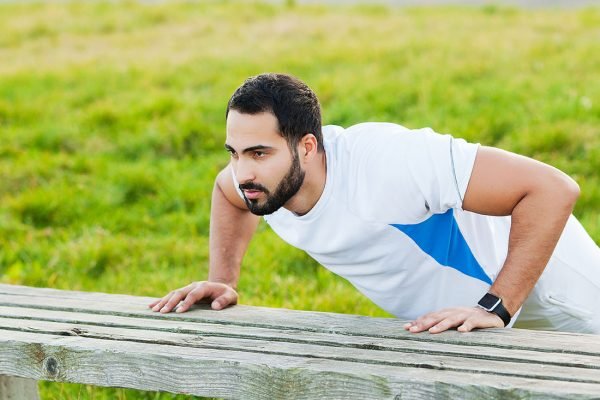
112,126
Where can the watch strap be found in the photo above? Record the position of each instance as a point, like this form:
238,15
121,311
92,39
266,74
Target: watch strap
497,308
502,312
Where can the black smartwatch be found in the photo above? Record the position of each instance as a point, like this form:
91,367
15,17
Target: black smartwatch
493,304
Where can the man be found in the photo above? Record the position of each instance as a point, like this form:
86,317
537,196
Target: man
433,229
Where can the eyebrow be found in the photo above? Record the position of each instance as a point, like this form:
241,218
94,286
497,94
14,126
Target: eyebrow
249,149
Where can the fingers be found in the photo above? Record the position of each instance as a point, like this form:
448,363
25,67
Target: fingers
464,319
451,321
222,295
483,319
428,321
151,305
173,299
467,326
199,292
158,304
167,303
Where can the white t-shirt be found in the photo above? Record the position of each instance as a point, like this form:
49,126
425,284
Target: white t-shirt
390,219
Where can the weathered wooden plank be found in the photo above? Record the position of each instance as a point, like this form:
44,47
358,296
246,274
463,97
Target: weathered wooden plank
571,372
26,318
13,388
301,320
293,354
235,374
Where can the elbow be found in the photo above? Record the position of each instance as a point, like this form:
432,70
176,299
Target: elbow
576,190
569,190
573,191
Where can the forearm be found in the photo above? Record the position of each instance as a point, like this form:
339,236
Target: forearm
537,223
539,199
231,229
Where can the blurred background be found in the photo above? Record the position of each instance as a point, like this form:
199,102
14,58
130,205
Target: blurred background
112,124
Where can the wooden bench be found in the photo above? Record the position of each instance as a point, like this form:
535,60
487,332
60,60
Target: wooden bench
261,353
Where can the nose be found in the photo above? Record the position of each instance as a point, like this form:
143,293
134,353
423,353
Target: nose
243,172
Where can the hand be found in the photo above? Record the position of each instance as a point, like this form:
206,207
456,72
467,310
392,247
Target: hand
464,319
220,294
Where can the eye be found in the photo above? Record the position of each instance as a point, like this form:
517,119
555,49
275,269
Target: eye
259,154
232,153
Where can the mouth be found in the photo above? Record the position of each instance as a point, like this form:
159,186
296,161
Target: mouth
252,194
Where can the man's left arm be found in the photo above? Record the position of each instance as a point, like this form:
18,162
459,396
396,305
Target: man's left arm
540,199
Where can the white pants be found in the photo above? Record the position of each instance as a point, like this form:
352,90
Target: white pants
567,295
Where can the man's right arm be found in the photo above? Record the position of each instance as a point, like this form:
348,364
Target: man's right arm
231,228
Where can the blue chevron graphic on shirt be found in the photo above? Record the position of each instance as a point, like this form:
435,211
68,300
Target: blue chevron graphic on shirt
440,237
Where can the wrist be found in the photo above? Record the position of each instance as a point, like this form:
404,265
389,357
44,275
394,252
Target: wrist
228,282
510,306
494,304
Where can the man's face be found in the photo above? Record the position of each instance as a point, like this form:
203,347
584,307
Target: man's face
269,175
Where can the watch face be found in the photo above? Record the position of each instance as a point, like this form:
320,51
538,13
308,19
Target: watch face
489,301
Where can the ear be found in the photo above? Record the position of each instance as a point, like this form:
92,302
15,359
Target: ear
308,147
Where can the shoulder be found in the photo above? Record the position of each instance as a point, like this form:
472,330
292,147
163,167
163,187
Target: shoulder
225,183
373,132
364,139
391,173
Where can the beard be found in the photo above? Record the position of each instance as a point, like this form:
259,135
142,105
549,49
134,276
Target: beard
285,190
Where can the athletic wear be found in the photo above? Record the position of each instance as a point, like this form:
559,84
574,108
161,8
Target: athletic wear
390,221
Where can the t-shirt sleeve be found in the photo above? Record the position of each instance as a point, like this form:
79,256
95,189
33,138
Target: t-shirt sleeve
404,176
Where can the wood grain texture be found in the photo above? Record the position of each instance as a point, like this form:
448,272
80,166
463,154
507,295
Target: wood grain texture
304,321
272,336
260,353
12,388
511,365
238,374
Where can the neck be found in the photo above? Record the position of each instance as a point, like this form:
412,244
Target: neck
312,188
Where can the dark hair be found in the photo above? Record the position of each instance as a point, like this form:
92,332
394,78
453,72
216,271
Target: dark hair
293,103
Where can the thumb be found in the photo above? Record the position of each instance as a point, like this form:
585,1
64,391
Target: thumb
226,299
467,326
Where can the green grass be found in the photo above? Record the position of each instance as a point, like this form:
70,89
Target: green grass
112,125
